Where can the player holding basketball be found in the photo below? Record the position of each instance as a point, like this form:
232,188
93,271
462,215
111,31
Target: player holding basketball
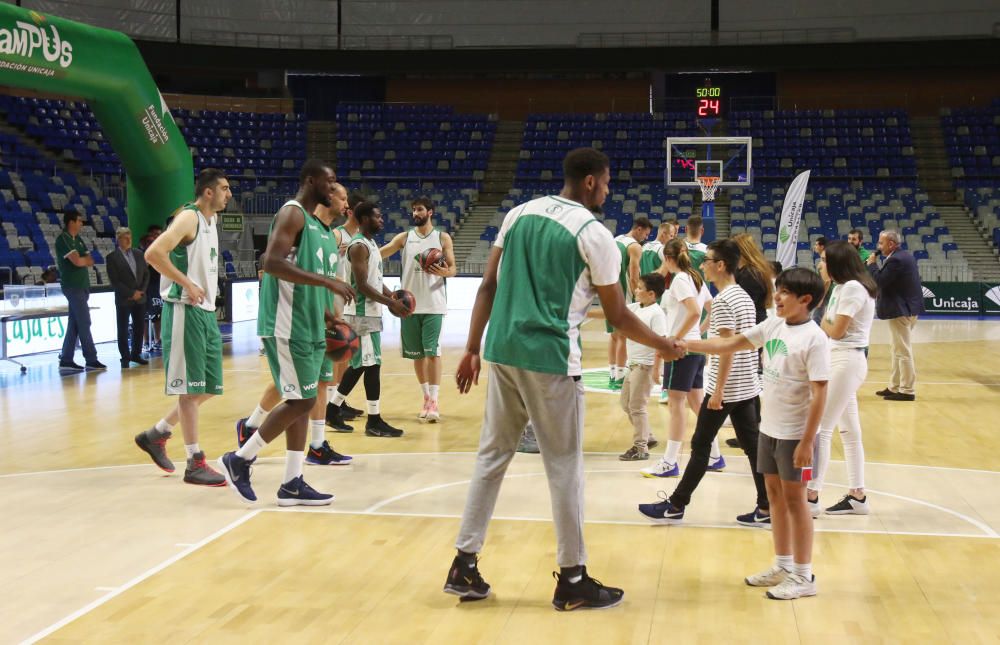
366,319
549,259
320,452
292,325
630,249
421,332
186,256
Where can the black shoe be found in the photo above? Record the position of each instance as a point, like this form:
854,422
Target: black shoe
899,396
126,364
464,580
335,418
70,366
585,593
885,392
96,365
379,428
652,443
350,413
733,443
140,360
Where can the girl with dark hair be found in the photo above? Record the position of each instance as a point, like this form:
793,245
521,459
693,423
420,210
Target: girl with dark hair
848,322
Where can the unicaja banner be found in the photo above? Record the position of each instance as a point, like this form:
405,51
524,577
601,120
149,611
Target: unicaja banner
66,58
791,216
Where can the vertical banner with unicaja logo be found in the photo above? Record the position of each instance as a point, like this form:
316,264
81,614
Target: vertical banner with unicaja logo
103,67
791,217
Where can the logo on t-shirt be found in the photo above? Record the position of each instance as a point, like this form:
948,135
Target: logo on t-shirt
775,346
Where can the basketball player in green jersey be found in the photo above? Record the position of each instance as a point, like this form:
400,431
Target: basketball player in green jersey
421,332
320,452
651,259
187,258
630,247
366,319
692,237
292,324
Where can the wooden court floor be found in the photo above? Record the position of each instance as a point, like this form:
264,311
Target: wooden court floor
99,546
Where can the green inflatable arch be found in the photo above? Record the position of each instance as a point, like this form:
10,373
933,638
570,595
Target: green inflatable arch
104,67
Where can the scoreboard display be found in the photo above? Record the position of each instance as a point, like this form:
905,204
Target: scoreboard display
709,102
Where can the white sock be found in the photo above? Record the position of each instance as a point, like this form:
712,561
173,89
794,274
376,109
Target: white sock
253,445
162,426
786,562
318,432
804,570
373,407
426,387
434,392
672,451
716,453
622,371
330,391
337,398
257,417
191,449
293,464
613,372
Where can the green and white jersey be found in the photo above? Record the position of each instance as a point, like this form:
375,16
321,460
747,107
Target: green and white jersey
554,254
429,290
696,251
651,258
364,306
332,251
199,261
624,242
295,311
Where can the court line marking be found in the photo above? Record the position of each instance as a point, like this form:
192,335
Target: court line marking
117,591
982,526
685,524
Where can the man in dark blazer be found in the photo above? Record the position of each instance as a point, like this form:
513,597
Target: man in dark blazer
900,300
129,276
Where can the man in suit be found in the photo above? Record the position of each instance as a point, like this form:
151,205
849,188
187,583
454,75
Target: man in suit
129,276
900,300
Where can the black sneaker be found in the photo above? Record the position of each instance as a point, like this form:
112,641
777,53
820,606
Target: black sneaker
585,593
155,445
379,428
96,365
67,366
335,418
351,413
465,581
733,442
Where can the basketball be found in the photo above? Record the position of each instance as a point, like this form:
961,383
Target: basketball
406,298
340,341
430,258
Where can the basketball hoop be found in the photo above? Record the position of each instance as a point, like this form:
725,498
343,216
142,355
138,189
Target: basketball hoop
709,185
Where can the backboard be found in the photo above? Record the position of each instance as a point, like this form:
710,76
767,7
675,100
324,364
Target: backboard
728,158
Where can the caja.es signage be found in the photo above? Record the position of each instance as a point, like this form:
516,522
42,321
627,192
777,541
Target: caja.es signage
26,40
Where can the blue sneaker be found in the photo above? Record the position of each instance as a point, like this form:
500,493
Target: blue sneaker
327,456
298,493
243,434
236,470
718,465
662,512
661,469
755,519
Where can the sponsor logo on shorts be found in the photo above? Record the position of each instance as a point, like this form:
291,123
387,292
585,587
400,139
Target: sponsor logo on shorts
289,388
311,386
177,382
196,383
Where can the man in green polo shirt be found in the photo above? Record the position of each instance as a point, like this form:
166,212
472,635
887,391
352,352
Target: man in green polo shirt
74,263
856,237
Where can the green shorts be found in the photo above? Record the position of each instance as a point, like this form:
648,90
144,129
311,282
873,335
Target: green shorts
421,334
192,350
295,366
326,370
370,352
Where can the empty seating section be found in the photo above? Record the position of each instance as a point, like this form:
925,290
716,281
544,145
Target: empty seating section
972,139
394,199
853,144
832,210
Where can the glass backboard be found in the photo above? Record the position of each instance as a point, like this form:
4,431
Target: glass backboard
728,158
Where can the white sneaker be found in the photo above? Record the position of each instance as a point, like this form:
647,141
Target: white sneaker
773,576
433,415
664,397
814,508
792,587
849,506
661,469
423,410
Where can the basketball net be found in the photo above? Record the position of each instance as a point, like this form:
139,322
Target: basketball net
709,185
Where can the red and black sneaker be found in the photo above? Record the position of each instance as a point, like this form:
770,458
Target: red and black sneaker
154,443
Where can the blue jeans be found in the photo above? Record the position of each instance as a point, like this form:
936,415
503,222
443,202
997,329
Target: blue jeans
78,326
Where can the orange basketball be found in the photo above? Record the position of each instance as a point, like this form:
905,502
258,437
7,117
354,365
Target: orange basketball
340,341
430,258
406,298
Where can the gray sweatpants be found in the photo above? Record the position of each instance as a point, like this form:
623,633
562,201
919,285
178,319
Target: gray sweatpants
555,406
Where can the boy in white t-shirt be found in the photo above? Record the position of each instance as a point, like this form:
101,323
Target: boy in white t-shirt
796,371
641,363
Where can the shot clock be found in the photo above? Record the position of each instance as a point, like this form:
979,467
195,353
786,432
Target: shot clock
709,102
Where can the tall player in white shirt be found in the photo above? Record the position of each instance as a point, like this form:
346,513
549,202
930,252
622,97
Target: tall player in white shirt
848,322
421,332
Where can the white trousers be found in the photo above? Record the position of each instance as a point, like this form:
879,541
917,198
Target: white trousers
848,369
